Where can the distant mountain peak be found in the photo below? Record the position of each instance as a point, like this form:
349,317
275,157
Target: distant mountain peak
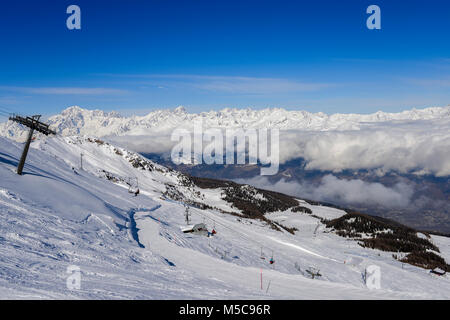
78,111
180,109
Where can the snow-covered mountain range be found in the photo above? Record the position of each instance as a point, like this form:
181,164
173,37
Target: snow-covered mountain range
77,121
58,215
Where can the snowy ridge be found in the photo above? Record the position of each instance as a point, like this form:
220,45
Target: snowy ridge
57,215
75,120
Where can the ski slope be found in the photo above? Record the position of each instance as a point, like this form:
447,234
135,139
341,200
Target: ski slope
57,215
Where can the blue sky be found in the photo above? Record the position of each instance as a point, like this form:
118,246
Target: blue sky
136,56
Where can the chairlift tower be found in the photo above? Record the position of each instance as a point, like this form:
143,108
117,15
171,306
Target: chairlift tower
187,215
81,160
317,228
34,124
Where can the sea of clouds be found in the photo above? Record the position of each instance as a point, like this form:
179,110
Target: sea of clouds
419,146
341,191
422,147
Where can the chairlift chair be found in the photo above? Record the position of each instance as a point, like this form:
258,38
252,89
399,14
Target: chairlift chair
271,261
133,188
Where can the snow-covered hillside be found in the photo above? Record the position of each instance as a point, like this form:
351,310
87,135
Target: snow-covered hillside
57,215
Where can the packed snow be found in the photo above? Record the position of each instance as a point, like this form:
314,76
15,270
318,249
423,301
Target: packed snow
58,215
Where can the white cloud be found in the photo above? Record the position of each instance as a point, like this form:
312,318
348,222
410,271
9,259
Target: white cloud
430,82
231,84
341,191
243,85
422,147
63,90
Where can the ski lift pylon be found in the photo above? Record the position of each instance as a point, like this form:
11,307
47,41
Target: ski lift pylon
262,254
